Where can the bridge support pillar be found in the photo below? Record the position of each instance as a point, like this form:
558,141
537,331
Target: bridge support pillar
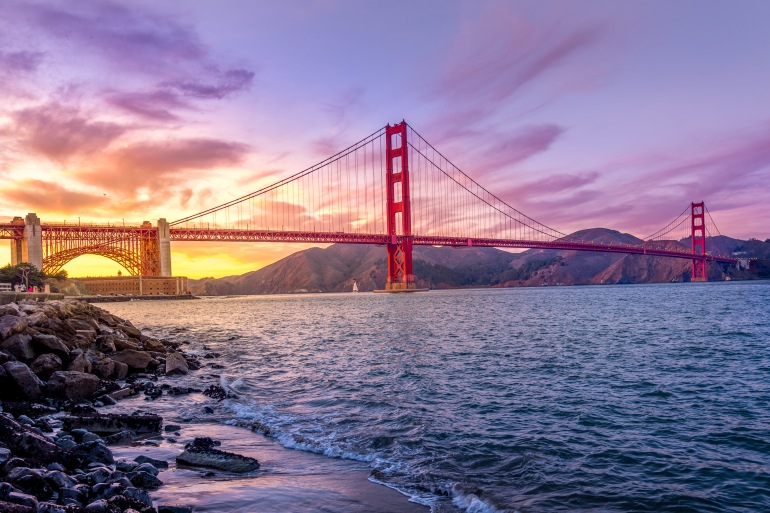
400,273
17,254
164,247
149,250
698,239
30,247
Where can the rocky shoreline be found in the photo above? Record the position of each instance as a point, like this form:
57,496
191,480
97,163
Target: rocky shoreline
60,361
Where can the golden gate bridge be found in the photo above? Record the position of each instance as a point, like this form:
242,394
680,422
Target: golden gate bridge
391,188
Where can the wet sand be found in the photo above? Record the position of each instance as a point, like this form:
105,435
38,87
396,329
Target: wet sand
288,480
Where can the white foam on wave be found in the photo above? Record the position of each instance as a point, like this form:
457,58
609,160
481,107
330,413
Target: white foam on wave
471,503
280,430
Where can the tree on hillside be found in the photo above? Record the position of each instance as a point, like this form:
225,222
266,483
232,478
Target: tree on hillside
28,275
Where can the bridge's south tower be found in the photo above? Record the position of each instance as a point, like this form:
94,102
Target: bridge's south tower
400,273
698,238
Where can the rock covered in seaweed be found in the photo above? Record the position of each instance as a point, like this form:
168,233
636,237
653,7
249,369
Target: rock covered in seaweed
201,453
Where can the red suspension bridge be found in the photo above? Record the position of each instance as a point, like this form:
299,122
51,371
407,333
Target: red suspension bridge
391,188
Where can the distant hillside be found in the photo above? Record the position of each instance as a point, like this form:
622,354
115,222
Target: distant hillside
334,269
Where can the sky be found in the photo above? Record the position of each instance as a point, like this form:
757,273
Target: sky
580,114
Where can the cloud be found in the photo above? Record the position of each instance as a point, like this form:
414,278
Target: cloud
223,84
158,105
551,185
19,62
153,164
496,55
505,151
59,132
49,197
122,34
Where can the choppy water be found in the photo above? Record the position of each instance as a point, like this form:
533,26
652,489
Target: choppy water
616,398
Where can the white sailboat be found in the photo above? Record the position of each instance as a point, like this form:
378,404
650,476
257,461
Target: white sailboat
355,286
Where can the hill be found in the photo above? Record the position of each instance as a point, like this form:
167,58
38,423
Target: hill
335,268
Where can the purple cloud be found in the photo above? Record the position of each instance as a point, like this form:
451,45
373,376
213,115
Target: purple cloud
149,164
156,105
123,34
498,54
20,62
59,132
224,84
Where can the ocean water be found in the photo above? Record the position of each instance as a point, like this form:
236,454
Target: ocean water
604,398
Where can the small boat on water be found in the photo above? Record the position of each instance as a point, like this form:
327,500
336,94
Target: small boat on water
355,286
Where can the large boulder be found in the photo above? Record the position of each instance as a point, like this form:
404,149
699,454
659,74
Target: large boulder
113,423
196,456
81,363
11,324
37,319
104,368
153,344
73,385
137,360
25,442
20,346
50,344
176,364
122,342
24,380
130,330
45,365
121,370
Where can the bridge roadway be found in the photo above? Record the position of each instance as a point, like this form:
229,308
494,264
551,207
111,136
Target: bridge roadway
87,233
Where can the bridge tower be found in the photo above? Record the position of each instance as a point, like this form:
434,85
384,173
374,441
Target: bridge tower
698,238
30,247
400,273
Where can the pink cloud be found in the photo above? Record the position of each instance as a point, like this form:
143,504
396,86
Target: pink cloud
19,62
122,34
497,55
149,164
58,132
222,84
158,105
39,195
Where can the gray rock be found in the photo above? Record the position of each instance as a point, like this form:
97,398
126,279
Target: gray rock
59,479
28,384
144,480
214,458
10,309
19,346
72,385
103,368
81,363
93,452
137,360
147,467
120,438
113,423
5,455
130,330
50,344
124,342
121,370
45,365
176,364
174,508
155,463
22,499
37,319
11,324
153,344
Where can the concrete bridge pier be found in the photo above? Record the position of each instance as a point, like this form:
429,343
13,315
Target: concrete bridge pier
164,246
30,247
